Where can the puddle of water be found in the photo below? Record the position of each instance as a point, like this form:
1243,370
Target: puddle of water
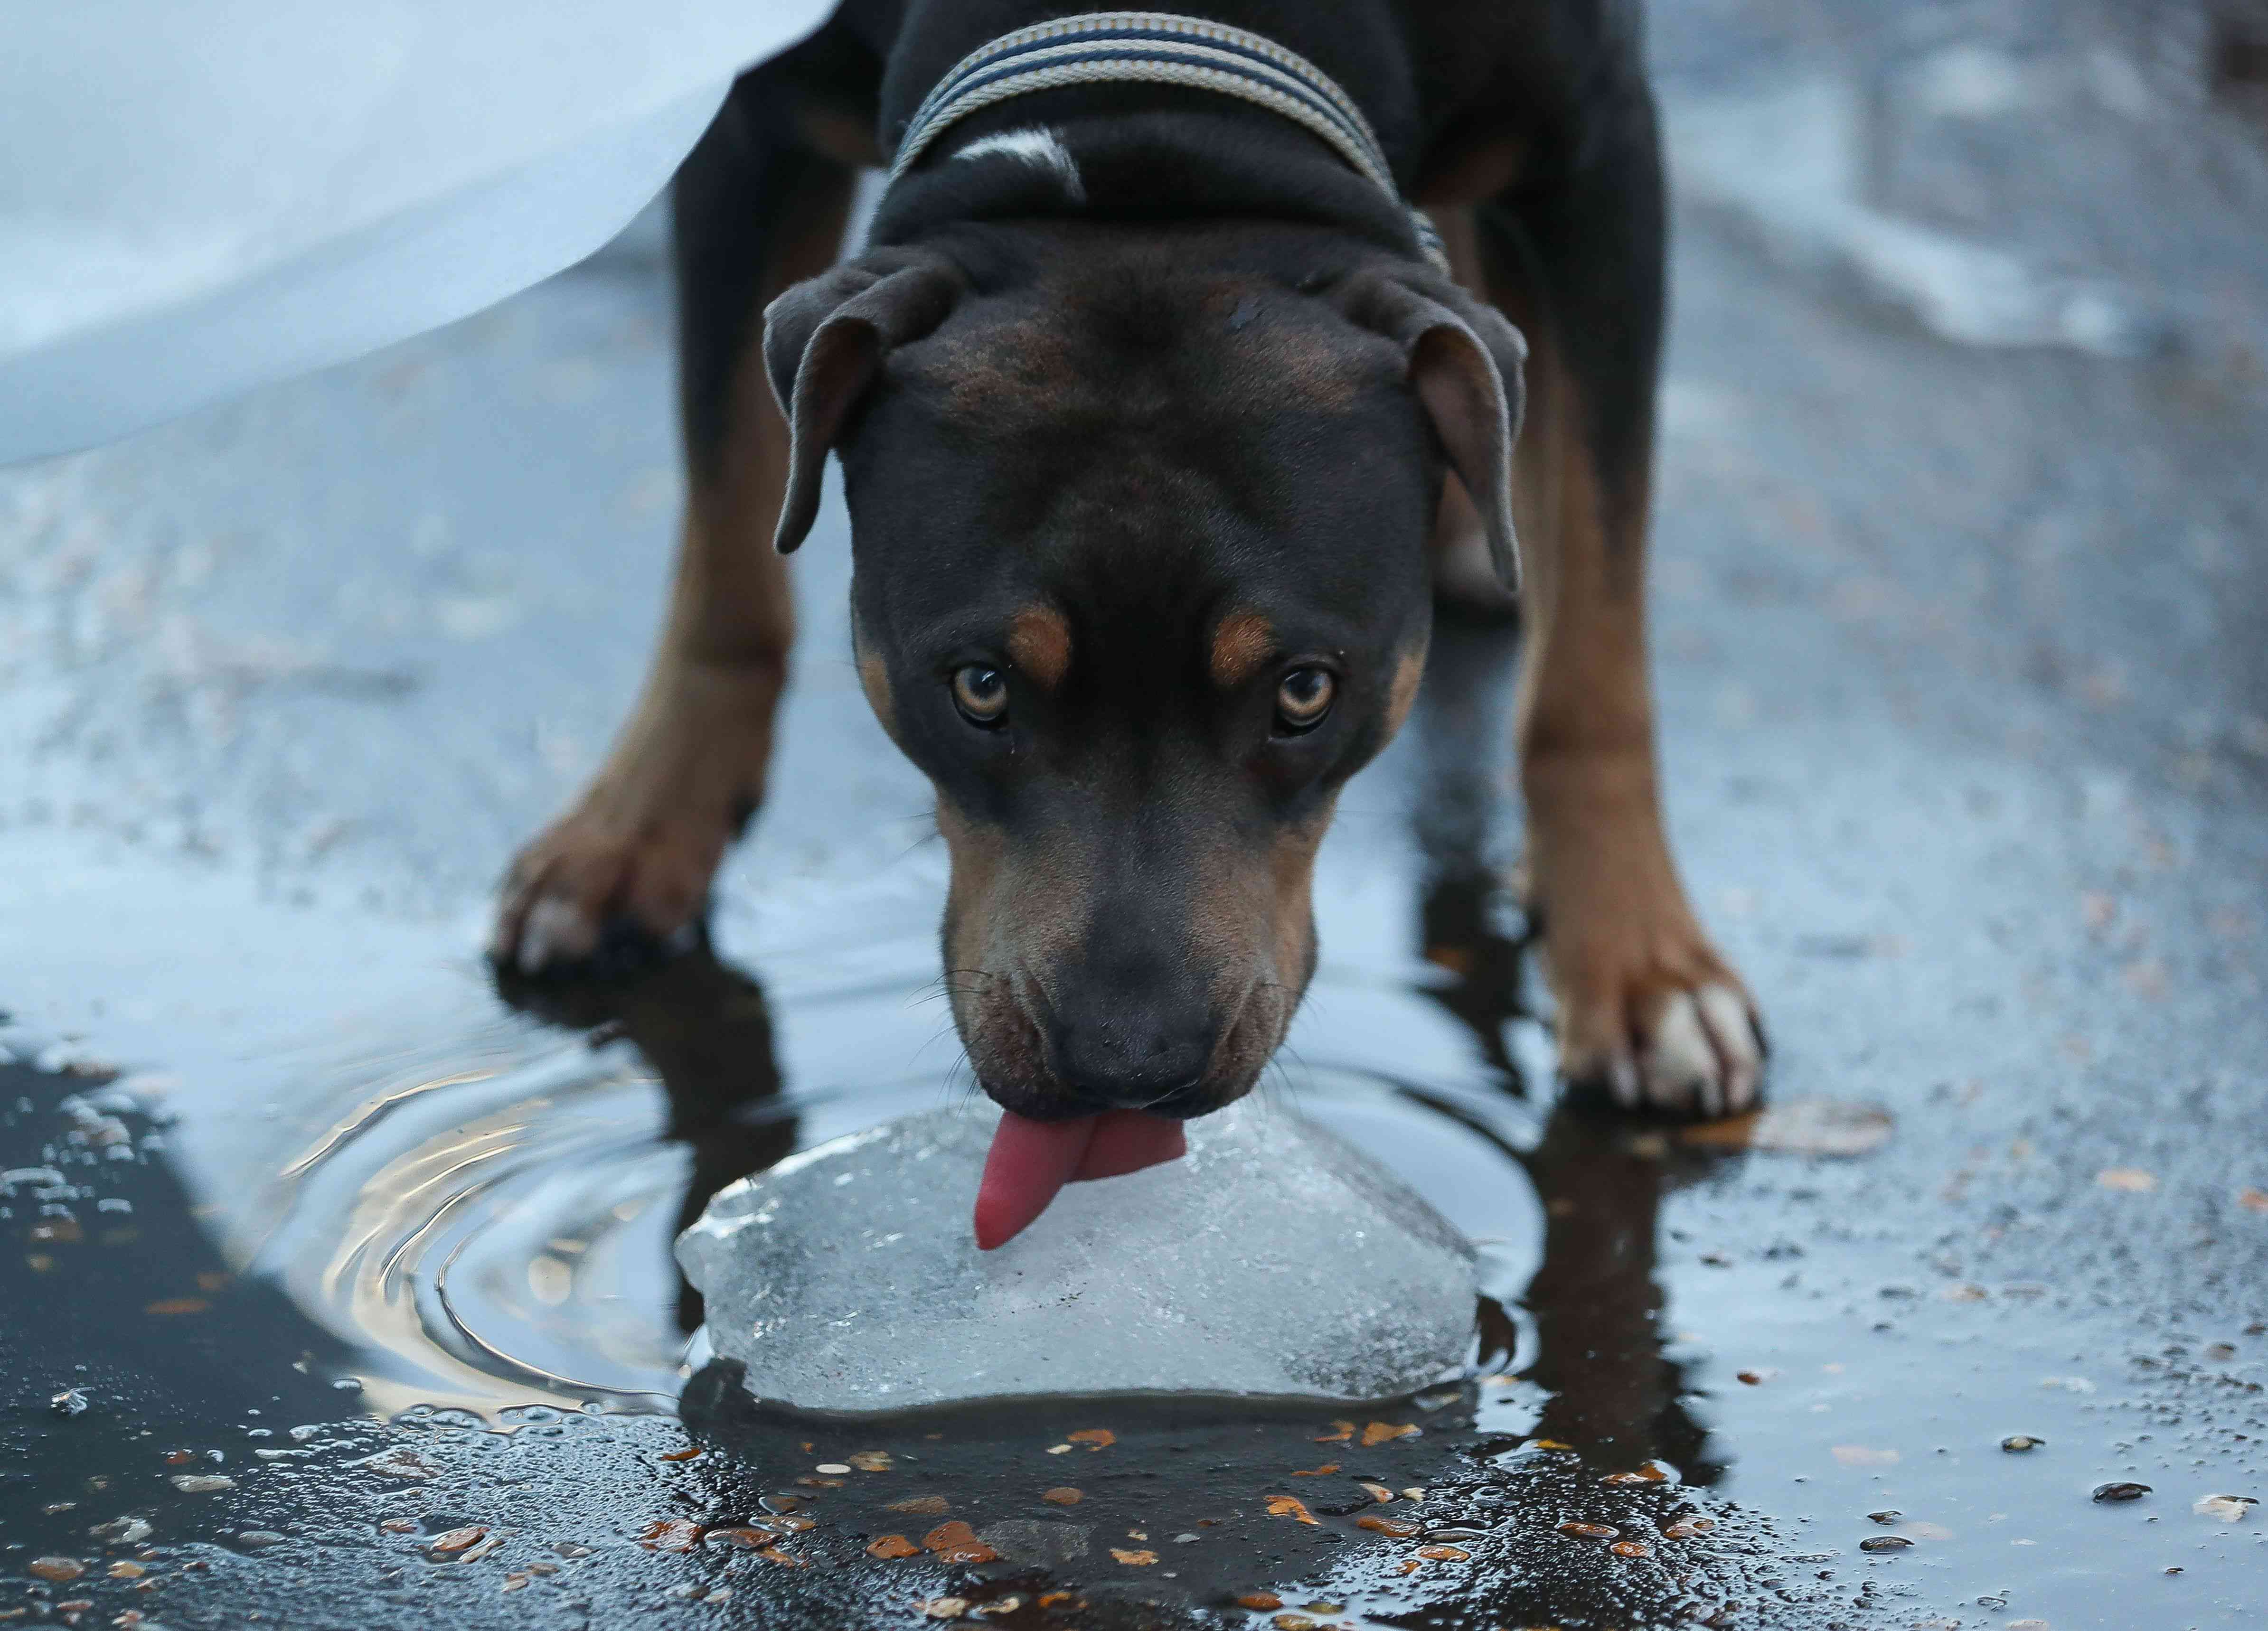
403,1274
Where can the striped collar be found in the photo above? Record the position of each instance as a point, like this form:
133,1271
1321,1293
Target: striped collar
1159,47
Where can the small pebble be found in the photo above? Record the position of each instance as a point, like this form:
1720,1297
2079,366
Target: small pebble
1884,1543
2121,1491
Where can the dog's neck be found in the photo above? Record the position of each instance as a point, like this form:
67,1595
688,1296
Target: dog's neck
1134,150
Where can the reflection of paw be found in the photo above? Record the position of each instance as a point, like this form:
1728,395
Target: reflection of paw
1683,1044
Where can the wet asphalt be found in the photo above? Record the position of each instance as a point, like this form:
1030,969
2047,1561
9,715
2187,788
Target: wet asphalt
1962,660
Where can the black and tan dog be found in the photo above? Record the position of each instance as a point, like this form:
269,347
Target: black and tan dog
1161,432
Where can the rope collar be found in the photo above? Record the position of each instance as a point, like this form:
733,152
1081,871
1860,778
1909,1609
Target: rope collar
1159,47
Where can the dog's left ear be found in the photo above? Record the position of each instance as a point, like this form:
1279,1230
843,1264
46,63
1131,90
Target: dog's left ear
824,343
1466,364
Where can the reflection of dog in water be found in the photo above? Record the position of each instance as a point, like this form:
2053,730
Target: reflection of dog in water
1164,426
705,1028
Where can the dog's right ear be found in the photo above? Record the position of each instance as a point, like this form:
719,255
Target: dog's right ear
824,343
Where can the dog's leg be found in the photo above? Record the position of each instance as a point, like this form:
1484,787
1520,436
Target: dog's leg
757,208
1648,1009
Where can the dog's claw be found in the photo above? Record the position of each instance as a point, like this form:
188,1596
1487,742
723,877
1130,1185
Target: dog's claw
1621,1081
1680,1065
554,931
1739,1046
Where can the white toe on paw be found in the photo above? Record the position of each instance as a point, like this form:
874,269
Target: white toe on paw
1725,1011
1621,1081
1681,1066
556,931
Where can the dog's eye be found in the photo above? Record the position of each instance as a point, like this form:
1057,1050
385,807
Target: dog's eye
980,691
1303,696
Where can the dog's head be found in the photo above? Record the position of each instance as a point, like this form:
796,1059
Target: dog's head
1139,526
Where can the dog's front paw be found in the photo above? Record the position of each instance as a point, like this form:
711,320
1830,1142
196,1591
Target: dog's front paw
1651,1040
1650,1014
591,881
630,866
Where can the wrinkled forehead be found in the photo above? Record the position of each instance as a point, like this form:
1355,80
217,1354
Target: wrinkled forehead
1135,451
1140,339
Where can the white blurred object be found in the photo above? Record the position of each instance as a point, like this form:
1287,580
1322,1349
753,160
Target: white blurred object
1785,160
200,195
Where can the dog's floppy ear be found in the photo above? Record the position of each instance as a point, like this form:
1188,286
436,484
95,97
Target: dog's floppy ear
1465,363
824,343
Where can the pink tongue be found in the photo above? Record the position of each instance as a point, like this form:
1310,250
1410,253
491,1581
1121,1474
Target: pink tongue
1031,1160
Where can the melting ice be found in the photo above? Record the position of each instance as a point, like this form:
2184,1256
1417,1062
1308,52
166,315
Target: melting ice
1275,1259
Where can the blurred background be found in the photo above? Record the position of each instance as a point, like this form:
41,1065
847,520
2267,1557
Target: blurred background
2014,248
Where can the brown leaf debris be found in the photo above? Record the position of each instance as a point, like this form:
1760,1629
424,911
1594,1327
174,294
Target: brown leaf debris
956,1542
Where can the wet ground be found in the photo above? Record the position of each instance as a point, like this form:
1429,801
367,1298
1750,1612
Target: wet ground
337,1289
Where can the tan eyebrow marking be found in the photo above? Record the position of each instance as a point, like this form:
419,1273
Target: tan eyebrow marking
1038,643
1240,645
874,679
1409,671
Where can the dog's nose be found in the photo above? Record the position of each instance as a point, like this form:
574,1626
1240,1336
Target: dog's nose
1132,1061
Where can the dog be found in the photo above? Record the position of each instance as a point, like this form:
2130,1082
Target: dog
1165,420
